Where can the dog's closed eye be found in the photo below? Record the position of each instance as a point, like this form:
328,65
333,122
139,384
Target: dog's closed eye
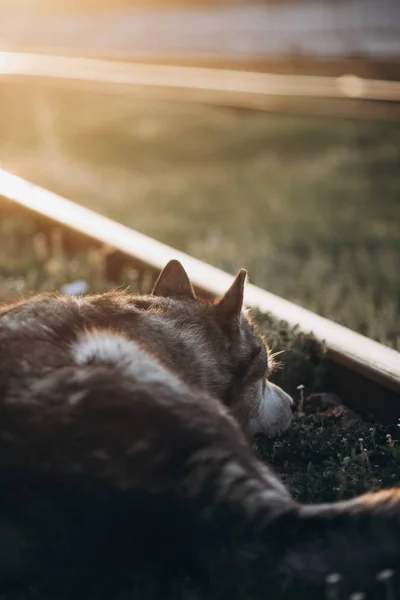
256,365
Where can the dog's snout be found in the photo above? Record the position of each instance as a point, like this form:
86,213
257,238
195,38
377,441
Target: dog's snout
275,411
293,406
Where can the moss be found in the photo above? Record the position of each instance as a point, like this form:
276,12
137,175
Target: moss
324,459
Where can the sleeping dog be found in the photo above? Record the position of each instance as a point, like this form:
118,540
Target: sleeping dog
125,430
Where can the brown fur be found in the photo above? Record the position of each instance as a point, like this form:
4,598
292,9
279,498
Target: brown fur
124,420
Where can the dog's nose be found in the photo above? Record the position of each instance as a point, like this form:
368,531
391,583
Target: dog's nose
293,406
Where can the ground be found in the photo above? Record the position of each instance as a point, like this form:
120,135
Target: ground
308,205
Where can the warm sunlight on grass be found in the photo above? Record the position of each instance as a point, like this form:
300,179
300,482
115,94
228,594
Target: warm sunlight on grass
308,205
40,200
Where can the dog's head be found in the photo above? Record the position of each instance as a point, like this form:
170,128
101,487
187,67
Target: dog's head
240,356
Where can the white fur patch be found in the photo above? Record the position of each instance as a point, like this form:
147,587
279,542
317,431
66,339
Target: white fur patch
105,347
113,348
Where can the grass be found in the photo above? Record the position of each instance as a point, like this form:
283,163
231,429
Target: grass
308,205
322,458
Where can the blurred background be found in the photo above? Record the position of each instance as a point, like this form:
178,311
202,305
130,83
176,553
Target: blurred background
301,188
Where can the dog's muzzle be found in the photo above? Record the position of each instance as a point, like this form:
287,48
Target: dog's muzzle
276,410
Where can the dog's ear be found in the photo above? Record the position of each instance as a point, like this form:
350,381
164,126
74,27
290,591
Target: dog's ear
173,282
229,307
